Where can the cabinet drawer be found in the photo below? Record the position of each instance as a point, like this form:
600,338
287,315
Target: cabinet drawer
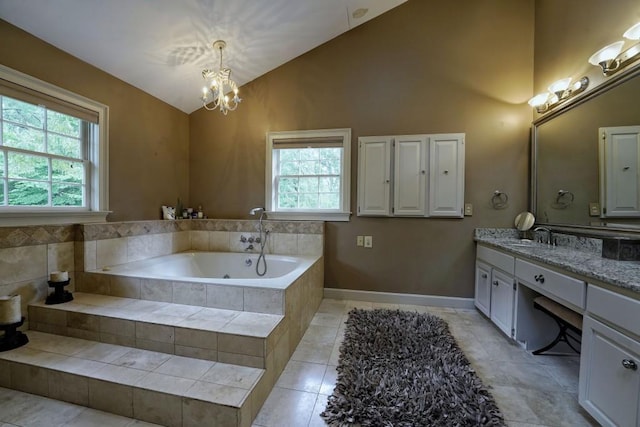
497,259
557,284
615,308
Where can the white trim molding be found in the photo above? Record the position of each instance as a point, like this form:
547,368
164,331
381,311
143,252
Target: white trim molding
398,298
98,180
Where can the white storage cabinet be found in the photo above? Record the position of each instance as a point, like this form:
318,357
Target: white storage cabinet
411,175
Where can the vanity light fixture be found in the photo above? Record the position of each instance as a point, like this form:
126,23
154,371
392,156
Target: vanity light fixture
609,57
218,84
559,91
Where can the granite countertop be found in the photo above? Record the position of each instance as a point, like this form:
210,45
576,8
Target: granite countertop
582,260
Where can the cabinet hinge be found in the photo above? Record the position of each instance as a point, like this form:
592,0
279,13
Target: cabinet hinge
604,210
514,285
393,210
513,332
358,208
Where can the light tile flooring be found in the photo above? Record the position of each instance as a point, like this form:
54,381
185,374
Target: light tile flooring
530,390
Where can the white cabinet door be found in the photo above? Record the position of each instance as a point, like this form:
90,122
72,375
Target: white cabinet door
620,159
410,175
374,175
446,175
609,375
502,300
483,288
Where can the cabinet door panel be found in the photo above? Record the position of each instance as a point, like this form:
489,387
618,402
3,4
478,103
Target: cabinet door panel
502,298
446,177
483,288
374,176
621,154
409,175
608,390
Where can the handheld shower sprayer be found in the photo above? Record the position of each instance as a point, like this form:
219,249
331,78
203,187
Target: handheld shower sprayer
264,235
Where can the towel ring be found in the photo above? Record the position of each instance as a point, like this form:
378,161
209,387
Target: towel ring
499,200
564,199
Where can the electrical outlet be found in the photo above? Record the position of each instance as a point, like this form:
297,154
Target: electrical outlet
468,209
594,209
368,241
359,241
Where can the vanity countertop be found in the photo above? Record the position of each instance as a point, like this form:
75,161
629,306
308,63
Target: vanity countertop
624,274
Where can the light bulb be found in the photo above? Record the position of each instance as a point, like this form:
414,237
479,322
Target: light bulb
607,53
560,86
539,100
633,33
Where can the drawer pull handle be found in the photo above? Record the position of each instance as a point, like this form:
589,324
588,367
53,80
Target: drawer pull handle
539,278
495,283
629,364
484,275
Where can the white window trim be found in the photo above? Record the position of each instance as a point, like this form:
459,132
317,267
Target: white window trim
342,214
98,155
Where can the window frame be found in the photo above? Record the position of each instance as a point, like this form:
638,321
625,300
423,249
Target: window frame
97,176
343,213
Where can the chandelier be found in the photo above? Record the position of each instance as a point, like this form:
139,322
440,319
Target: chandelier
218,84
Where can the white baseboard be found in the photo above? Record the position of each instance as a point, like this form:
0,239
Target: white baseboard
396,298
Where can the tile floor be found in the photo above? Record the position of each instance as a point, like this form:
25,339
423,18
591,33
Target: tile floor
530,390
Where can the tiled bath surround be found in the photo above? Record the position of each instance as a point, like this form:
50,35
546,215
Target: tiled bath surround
156,326
28,254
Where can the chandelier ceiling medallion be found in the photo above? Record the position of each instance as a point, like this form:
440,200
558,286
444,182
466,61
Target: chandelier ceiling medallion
218,84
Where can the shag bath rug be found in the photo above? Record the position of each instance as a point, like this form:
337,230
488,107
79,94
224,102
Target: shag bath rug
399,368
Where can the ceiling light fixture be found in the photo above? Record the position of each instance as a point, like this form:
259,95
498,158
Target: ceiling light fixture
609,57
559,91
219,83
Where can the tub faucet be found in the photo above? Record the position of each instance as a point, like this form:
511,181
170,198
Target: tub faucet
248,248
549,234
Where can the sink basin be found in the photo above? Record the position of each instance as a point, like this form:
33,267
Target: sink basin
524,243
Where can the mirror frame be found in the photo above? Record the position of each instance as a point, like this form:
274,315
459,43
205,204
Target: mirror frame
606,85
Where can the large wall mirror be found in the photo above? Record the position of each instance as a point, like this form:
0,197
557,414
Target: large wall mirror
568,177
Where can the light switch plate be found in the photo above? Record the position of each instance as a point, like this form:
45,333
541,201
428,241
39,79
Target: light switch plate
468,209
594,209
359,241
368,241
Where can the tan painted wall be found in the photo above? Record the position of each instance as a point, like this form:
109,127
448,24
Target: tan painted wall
424,67
148,144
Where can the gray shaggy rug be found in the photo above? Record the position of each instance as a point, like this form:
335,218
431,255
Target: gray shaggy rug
399,368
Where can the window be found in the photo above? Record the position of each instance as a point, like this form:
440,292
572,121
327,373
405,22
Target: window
308,174
53,153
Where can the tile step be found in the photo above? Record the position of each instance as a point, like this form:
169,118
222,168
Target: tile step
238,337
150,386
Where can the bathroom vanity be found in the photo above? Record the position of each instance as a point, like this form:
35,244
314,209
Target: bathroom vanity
510,273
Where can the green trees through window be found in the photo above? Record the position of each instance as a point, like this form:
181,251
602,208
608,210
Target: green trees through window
309,178
42,156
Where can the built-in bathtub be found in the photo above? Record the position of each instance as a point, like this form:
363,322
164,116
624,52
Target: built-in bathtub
211,279
223,268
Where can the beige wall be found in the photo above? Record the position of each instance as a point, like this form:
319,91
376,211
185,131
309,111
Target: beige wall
148,139
424,67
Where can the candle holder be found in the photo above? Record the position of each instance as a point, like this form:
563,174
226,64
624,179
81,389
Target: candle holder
12,337
59,295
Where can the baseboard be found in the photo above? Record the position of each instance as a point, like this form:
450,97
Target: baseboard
396,298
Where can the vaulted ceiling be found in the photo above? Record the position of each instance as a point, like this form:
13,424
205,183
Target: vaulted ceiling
161,46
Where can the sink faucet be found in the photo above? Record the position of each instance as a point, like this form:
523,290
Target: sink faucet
549,234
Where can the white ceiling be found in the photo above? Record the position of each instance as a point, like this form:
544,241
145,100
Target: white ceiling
161,46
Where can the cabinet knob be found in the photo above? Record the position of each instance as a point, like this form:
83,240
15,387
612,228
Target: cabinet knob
484,275
446,172
539,278
629,364
495,283
386,181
